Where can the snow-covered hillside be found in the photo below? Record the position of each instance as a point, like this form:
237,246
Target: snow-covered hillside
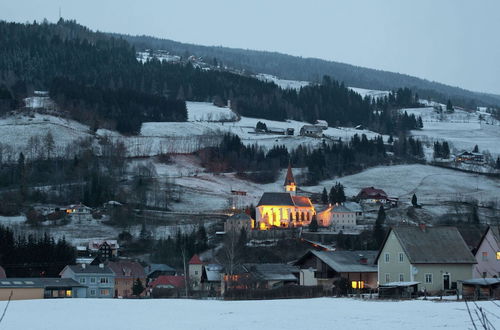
283,83
179,314
370,92
463,129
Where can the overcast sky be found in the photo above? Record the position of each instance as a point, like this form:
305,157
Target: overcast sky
456,42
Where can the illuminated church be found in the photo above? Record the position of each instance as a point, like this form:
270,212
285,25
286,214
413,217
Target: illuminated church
284,209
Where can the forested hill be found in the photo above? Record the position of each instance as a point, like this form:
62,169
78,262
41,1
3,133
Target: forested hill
312,69
97,79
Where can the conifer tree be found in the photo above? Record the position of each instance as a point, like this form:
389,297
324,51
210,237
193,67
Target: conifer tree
324,196
414,201
378,230
137,287
313,226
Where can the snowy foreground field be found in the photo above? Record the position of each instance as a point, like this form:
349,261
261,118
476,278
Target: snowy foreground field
318,314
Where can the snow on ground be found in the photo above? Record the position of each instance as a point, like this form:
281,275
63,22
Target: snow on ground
7,221
373,93
320,314
283,83
463,129
431,184
201,111
16,131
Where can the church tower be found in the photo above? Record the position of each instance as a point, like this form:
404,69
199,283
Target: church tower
289,184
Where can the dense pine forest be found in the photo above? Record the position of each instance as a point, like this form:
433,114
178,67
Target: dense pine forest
97,80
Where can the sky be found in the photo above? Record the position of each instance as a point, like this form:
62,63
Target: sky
456,42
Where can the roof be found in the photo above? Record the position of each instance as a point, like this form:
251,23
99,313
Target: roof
90,269
289,179
346,261
96,244
284,199
482,281
472,235
38,282
371,192
195,260
272,272
495,231
353,206
301,201
158,267
312,128
127,269
213,272
342,209
276,198
2,272
433,245
172,281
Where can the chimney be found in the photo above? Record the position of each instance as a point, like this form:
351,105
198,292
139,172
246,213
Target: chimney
422,226
101,265
83,266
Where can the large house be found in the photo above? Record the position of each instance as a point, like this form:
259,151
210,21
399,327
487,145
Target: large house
435,258
105,249
372,195
357,267
342,217
238,222
311,130
126,273
40,288
488,254
284,209
99,279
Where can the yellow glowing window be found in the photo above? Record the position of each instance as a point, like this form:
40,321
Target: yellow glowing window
68,293
358,284
498,255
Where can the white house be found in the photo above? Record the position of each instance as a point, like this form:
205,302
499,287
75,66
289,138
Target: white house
488,254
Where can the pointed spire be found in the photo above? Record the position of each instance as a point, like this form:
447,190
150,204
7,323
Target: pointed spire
289,180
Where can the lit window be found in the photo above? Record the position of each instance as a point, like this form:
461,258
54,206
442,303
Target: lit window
401,278
68,293
358,284
387,257
104,292
401,256
498,255
428,278
485,256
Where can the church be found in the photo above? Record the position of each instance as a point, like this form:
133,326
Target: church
284,209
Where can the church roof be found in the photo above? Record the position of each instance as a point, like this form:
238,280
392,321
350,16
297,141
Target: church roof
301,201
276,198
289,176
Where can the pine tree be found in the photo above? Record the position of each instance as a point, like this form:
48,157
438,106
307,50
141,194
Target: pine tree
313,226
137,287
497,165
449,106
414,201
476,149
324,196
378,230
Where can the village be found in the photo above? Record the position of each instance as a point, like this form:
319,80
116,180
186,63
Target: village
413,259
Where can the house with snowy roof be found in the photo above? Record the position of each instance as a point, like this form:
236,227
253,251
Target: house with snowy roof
488,254
126,273
99,280
372,195
435,258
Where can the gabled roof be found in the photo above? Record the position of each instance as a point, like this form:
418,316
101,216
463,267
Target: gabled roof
301,201
158,267
272,272
346,261
90,269
433,245
371,192
97,243
495,231
174,281
39,282
342,209
212,273
276,198
2,272
195,260
127,269
289,179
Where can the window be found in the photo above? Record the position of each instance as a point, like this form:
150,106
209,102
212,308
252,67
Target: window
82,280
92,280
485,256
104,292
104,280
387,257
196,272
401,277
498,255
484,274
387,278
92,292
428,278
401,256
68,293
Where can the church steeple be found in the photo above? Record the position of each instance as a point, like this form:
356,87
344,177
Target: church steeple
289,184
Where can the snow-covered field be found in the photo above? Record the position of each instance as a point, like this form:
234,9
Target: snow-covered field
370,92
283,83
178,314
463,129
